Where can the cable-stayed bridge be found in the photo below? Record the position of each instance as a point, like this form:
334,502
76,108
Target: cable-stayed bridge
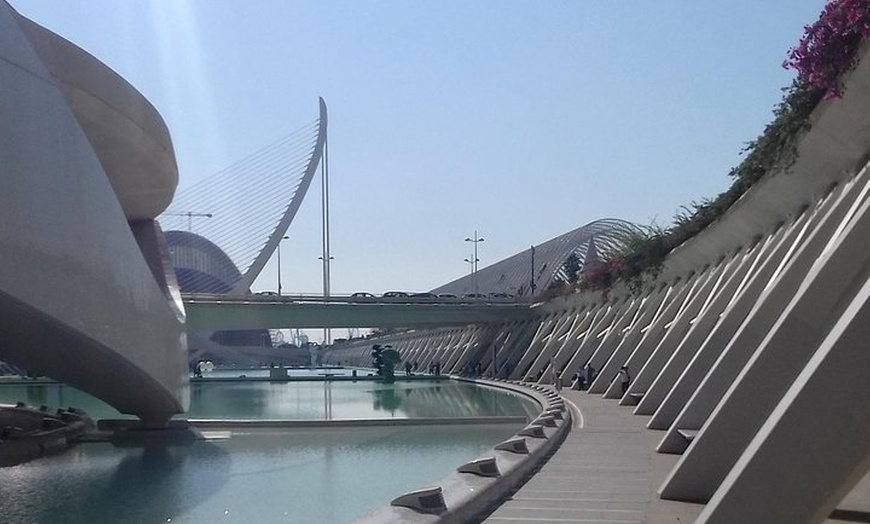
748,351
222,230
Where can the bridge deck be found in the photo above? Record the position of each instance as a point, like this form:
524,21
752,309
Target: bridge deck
260,312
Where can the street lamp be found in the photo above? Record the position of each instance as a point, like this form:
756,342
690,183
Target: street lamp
470,261
327,332
285,237
474,260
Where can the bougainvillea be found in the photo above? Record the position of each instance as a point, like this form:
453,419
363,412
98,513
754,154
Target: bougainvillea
829,47
601,275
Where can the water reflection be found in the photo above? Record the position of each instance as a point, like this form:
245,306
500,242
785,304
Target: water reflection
37,394
316,400
97,483
388,398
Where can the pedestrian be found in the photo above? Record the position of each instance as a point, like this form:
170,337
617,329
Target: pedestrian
625,378
589,374
554,377
577,382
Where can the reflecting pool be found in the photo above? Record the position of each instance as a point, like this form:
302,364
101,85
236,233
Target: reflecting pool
255,476
308,400
259,475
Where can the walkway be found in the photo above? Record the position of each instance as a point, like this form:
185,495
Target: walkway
607,471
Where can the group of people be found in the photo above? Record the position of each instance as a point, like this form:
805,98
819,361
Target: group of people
583,378
410,367
434,368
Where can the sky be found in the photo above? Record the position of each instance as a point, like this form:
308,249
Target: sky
518,120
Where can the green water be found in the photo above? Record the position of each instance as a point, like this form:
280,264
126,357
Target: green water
315,400
263,477
259,475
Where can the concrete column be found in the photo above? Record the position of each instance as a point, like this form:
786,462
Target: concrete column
778,290
584,350
704,324
643,317
500,341
516,345
461,343
653,332
813,448
739,305
565,354
810,295
564,349
645,368
547,345
610,339
547,325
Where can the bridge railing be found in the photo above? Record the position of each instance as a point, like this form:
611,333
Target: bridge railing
349,299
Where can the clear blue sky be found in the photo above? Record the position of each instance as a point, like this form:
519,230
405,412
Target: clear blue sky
521,120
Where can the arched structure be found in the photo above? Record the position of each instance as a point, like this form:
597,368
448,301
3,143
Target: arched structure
536,269
245,210
201,266
748,348
87,292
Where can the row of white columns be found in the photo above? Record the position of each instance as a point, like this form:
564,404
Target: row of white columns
753,366
749,352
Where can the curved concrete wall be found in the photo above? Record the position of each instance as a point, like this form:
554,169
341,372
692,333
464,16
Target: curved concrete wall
123,128
79,300
749,352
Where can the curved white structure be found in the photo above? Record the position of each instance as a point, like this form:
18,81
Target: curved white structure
750,348
87,294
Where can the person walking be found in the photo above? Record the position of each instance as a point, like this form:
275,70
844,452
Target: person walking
588,374
625,378
554,377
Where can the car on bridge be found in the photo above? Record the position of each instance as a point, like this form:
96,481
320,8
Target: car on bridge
424,297
396,294
362,296
474,296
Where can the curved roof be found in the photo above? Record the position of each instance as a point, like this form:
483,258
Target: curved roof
125,131
552,261
200,265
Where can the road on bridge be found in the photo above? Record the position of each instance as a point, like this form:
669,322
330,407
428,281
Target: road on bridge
225,312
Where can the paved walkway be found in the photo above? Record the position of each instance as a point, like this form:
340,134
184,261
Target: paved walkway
607,471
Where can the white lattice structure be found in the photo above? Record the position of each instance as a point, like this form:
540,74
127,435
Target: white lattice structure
750,349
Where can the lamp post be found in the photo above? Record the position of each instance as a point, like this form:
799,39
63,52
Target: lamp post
475,260
327,332
285,237
470,260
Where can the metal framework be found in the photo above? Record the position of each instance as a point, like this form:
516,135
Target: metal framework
538,267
